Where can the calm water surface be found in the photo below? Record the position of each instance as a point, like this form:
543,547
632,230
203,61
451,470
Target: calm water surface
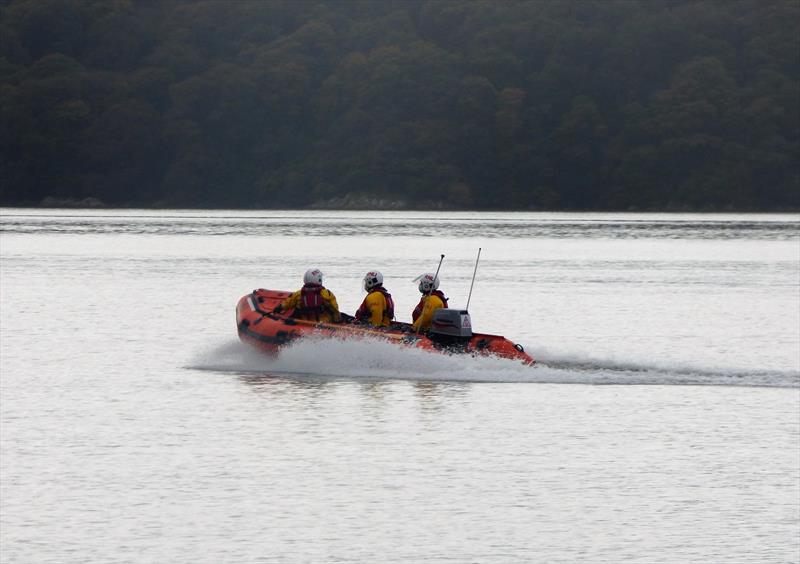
662,423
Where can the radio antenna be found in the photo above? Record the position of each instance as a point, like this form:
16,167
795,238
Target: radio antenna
437,274
473,277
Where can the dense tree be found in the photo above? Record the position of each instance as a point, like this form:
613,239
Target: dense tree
597,104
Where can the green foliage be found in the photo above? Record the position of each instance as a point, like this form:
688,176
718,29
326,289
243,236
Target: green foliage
596,104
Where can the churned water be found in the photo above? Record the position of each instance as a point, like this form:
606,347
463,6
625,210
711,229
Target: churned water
661,424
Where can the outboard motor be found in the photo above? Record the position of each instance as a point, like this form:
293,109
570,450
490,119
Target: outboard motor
451,328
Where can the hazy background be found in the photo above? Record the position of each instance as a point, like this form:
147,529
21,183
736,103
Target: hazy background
656,105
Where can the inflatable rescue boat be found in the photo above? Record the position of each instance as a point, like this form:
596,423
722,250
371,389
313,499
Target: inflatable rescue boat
450,333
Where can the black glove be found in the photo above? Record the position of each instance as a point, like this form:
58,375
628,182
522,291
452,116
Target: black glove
278,308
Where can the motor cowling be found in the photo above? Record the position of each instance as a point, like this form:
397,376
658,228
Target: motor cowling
451,323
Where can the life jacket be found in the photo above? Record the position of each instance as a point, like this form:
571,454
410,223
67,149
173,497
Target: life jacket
311,303
421,305
388,310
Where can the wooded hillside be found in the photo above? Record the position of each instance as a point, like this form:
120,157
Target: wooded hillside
668,105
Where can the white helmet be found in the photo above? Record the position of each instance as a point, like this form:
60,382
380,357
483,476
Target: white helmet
313,276
371,279
427,282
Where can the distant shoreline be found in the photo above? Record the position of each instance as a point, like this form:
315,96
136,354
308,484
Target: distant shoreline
94,204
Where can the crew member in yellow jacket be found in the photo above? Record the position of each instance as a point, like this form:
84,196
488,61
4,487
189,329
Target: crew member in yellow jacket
312,302
431,300
378,307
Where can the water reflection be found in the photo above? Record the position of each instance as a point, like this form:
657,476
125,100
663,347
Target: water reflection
276,383
430,395
434,396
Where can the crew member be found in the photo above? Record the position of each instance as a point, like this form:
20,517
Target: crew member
378,307
431,300
312,302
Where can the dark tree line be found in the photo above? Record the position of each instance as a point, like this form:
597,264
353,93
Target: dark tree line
571,104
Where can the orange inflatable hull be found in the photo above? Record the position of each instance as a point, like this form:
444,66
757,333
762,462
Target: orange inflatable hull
260,327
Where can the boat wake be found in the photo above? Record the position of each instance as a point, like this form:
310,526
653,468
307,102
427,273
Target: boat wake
378,360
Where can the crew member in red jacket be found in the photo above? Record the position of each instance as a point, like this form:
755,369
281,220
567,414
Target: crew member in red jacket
312,302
